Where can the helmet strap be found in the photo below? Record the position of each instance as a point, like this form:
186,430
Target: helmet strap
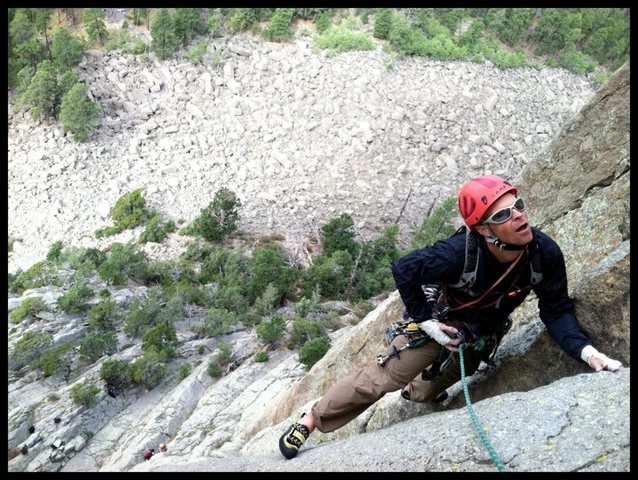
498,243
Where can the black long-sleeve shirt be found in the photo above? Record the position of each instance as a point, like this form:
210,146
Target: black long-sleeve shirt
444,261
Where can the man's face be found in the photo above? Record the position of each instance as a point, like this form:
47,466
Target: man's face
516,230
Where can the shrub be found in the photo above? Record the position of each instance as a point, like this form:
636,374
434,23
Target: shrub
304,330
261,357
149,370
196,54
224,354
222,264
323,21
338,234
313,351
128,212
52,358
156,230
168,272
201,349
53,255
102,317
142,314
42,92
405,39
577,62
305,306
219,218
183,371
28,307
161,339
38,275
218,321
267,301
124,261
341,39
328,275
96,344
243,18
30,346
83,257
269,266
271,330
164,41
214,369
116,373
73,301
84,395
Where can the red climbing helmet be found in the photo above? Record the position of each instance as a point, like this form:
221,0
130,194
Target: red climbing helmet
477,195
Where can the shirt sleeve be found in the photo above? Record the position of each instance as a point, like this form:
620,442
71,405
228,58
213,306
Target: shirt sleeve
556,309
435,264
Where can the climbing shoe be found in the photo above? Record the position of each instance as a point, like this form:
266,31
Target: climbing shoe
292,440
405,394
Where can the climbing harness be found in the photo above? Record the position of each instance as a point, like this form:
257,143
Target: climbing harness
415,336
475,422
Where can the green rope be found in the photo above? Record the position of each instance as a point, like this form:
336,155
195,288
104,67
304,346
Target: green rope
477,425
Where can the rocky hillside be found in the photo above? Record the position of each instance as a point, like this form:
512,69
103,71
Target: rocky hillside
299,135
262,129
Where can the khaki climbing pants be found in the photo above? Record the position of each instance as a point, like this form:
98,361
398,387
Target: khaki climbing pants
355,392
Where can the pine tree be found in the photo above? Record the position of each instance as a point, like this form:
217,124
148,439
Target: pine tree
42,91
66,49
95,26
164,42
78,114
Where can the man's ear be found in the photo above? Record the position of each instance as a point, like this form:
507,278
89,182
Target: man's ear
482,230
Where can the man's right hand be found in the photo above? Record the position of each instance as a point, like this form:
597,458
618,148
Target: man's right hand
442,333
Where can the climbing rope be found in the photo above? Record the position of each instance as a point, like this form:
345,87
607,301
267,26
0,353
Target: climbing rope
477,425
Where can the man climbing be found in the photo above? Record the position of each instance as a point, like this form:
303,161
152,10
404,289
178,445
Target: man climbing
461,289
148,453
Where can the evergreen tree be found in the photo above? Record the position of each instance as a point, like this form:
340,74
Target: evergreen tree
42,19
164,42
279,27
42,91
188,23
95,26
382,23
66,49
78,114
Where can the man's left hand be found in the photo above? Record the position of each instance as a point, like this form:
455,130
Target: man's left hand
599,361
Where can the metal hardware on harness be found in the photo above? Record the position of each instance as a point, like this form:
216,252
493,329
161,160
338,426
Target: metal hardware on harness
416,337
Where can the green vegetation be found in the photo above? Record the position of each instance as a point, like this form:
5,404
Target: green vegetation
261,357
73,301
313,351
84,395
437,225
43,51
218,219
128,212
272,329
29,307
78,114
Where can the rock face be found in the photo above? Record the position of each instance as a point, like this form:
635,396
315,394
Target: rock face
542,430
280,122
